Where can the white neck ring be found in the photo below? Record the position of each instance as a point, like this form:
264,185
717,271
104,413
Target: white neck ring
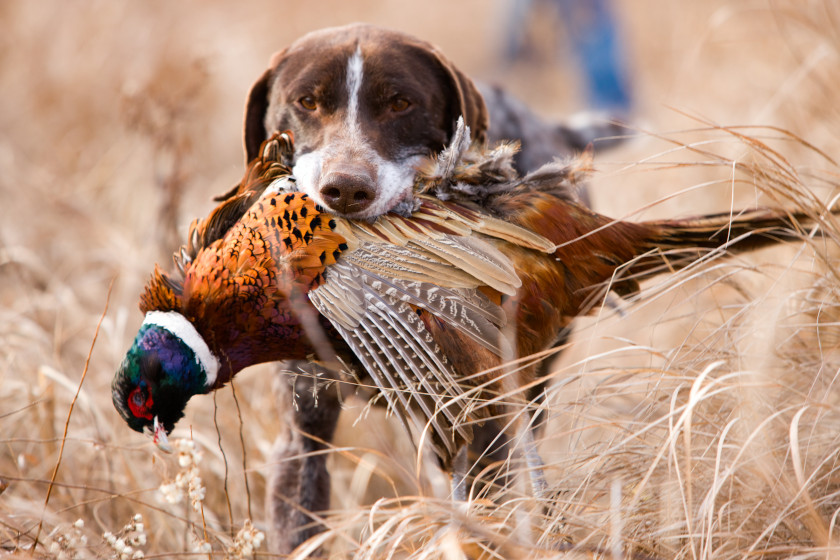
178,325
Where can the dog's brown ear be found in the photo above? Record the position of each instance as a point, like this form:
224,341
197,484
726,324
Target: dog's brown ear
470,102
254,131
255,109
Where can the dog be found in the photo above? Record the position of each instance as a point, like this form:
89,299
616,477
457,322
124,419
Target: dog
367,104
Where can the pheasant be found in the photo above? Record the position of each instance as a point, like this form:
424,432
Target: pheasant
488,267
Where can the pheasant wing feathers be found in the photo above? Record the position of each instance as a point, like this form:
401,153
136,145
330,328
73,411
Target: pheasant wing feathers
400,268
382,328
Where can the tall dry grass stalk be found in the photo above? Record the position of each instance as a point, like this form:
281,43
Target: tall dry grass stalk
698,422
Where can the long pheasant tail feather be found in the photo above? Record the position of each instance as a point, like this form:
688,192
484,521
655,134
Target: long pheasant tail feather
746,232
675,244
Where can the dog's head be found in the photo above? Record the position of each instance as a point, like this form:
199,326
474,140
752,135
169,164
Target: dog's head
365,105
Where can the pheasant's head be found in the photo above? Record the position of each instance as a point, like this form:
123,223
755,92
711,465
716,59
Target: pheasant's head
168,363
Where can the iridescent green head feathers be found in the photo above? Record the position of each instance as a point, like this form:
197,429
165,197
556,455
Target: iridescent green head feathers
168,363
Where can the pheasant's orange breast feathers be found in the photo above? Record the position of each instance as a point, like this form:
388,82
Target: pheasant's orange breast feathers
300,235
284,241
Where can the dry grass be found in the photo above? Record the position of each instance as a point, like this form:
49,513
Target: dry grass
700,422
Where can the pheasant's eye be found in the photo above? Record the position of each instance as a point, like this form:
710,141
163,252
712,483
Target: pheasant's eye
140,403
308,102
399,104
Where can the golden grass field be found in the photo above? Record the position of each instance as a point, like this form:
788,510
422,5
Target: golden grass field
700,422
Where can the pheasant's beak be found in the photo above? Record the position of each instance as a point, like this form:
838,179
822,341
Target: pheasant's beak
158,435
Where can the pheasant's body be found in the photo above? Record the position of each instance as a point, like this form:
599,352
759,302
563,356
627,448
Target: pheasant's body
277,252
421,302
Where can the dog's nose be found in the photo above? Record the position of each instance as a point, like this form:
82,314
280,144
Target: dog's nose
347,193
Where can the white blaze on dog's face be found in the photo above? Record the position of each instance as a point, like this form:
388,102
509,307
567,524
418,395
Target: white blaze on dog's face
349,175
366,106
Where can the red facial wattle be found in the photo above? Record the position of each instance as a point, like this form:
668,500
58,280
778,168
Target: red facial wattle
140,403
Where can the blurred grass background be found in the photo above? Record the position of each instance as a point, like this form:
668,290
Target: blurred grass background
118,123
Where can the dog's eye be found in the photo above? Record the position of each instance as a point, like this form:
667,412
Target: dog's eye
308,103
400,104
